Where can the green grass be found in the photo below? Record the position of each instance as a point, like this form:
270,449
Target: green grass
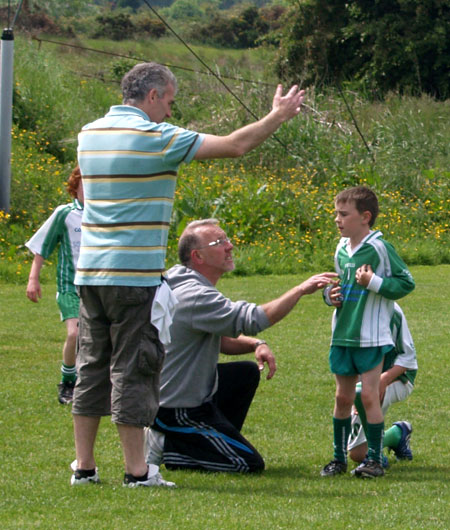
289,422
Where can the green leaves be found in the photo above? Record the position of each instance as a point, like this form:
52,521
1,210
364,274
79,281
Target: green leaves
385,45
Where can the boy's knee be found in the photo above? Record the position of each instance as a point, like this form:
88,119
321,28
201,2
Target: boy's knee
368,399
343,401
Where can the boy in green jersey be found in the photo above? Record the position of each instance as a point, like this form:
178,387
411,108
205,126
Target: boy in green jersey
63,230
372,276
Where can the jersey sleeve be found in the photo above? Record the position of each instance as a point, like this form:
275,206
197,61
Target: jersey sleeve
404,344
49,234
399,283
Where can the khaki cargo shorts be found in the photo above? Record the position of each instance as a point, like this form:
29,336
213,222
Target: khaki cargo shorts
119,355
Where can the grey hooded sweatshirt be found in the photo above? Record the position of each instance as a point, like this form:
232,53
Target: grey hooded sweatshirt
202,316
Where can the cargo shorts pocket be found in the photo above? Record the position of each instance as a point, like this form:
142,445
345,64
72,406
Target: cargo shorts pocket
151,354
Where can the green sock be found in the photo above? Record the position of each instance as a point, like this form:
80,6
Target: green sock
341,432
361,410
69,373
392,437
374,434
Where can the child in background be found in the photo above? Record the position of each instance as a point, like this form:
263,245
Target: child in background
62,228
372,276
396,384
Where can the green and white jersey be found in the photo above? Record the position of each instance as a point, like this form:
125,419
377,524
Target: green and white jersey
364,318
62,228
404,352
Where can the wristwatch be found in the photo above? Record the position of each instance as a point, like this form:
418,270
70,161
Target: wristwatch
258,343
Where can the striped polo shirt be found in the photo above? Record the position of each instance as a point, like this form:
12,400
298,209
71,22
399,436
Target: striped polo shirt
129,168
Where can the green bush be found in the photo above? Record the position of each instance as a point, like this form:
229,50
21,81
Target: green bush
385,45
277,201
114,26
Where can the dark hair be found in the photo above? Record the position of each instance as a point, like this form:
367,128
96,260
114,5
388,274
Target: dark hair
189,239
73,181
364,198
138,82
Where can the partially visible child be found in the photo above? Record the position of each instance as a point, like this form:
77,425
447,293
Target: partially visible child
62,228
396,384
372,276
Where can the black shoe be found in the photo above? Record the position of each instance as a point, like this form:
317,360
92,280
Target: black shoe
152,478
369,469
83,476
335,467
65,392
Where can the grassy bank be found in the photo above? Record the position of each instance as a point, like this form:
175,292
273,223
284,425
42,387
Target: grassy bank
277,201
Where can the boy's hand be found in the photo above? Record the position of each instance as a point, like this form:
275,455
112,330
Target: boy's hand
336,295
364,275
34,290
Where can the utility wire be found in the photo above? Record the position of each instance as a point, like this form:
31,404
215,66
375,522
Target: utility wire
208,72
238,99
16,14
209,69
95,50
341,92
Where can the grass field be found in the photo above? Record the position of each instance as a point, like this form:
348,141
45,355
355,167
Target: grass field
289,422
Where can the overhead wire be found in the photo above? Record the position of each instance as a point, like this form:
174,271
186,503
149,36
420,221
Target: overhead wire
169,27
341,92
234,95
171,66
209,71
19,7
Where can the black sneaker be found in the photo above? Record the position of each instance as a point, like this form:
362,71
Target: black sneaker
369,469
65,392
384,463
83,476
335,467
152,478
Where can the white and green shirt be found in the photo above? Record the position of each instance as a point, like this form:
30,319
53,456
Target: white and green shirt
62,228
364,318
404,352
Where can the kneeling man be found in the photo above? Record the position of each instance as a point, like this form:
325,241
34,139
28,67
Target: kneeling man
203,404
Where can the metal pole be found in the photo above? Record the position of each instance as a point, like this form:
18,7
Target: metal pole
6,98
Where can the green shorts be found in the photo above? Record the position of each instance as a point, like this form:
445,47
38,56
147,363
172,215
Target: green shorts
69,305
346,360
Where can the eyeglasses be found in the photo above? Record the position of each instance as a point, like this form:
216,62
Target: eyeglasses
217,242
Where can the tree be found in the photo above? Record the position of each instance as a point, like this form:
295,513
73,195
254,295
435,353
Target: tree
401,45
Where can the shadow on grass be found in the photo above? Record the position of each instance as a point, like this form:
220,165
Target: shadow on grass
301,480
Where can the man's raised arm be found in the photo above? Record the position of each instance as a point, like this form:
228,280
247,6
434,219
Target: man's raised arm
250,136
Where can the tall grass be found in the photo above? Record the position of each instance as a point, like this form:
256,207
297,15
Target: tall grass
277,201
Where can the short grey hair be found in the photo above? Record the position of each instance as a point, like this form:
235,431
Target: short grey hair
142,78
189,239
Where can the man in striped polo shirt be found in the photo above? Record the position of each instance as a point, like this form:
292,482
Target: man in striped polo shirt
129,161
